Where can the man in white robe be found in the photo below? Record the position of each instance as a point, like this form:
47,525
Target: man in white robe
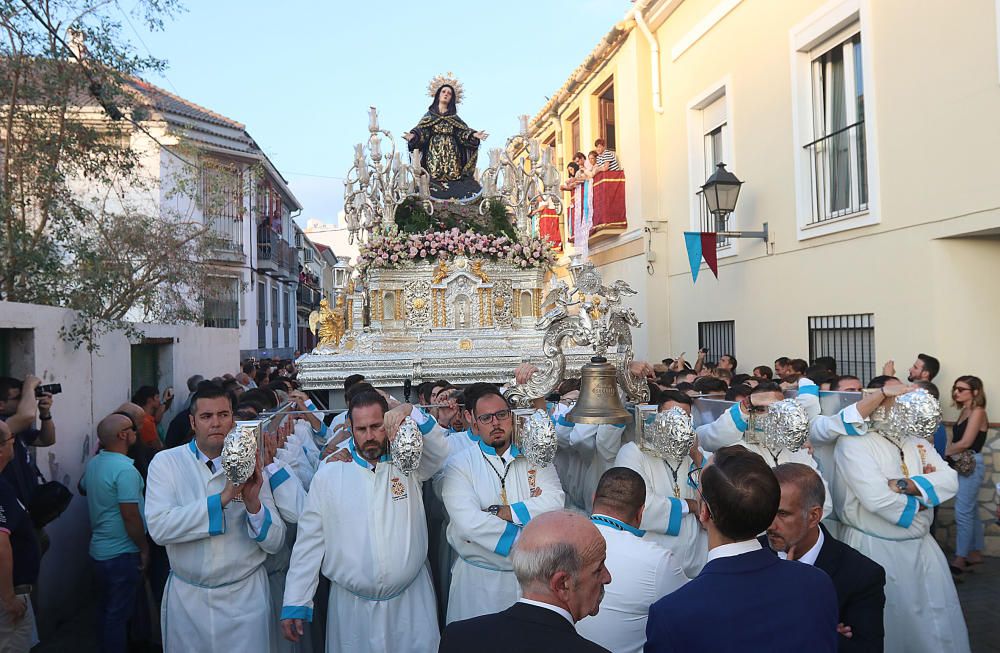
490,492
585,452
669,516
734,427
642,572
364,527
217,597
887,486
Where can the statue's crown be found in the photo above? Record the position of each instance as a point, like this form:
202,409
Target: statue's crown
446,80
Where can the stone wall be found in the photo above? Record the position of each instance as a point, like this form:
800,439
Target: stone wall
945,527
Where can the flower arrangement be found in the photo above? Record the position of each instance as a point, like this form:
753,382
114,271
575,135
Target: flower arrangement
395,249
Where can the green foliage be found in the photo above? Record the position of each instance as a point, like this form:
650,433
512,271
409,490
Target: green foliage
412,218
81,221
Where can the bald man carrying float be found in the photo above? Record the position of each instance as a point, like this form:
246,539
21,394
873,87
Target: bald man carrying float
118,540
559,564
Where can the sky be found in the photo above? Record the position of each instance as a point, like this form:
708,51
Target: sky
301,75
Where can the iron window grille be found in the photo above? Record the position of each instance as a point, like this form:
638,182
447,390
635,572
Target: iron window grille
849,339
719,337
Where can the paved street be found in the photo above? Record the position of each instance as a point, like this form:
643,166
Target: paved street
979,591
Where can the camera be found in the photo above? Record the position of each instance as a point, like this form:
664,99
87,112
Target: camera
50,388
704,350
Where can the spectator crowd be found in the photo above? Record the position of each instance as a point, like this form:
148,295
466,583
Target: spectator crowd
329,546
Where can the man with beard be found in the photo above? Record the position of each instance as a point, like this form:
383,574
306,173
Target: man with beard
364,527
925,368
217,536
490,491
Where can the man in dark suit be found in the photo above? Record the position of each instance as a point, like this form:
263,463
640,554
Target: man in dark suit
797,534
745,598
559,563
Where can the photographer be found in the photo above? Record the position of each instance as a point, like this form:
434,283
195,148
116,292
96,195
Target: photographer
20,404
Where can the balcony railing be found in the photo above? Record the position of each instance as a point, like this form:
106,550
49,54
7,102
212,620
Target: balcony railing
271,247
222,314
227,232
308,297
838,173
707,221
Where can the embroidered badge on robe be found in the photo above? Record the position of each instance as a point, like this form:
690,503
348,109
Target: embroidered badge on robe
398,489
533,484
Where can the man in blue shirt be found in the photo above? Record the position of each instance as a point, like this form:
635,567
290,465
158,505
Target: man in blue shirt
19,560
118,541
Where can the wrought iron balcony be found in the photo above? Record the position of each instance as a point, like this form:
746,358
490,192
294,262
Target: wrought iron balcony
838,169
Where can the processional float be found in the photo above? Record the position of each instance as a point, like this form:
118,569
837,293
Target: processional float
450,285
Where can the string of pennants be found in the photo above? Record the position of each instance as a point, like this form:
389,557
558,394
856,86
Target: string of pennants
701,245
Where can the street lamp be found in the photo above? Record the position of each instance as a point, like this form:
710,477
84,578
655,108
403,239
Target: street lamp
721,191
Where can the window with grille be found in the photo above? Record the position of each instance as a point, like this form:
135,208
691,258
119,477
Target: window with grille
222,202
222,305
849,339
719,337
839,168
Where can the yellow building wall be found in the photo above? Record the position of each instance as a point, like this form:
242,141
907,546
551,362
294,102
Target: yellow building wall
934,95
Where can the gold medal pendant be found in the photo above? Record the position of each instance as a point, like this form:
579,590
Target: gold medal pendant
503,495
906,470
677,490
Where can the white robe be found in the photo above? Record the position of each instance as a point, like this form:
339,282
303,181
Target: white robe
665,519
367,532
585,452
217,597
289,499
922,611
731,428
482,580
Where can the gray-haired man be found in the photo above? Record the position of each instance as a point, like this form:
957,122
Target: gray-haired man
559,564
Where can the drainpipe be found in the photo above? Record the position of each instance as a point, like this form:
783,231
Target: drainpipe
654,54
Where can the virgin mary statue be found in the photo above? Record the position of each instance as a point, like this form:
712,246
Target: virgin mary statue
449,146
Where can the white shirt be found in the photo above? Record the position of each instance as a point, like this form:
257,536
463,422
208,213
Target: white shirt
809,557
642,572
733,549
548,606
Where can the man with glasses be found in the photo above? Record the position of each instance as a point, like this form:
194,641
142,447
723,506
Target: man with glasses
490,491
118,546
758,602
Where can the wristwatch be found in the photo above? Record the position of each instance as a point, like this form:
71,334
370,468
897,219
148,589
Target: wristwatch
493,510
902,485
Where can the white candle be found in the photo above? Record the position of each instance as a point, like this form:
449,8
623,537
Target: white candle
376,148
372,119
396,163
533,149
524,124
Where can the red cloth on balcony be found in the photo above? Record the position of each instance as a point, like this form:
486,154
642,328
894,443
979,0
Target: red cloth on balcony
548,227
609,203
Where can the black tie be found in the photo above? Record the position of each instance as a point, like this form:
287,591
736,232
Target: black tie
211,467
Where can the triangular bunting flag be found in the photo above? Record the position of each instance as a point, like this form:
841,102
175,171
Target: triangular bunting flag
692,240
708,239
